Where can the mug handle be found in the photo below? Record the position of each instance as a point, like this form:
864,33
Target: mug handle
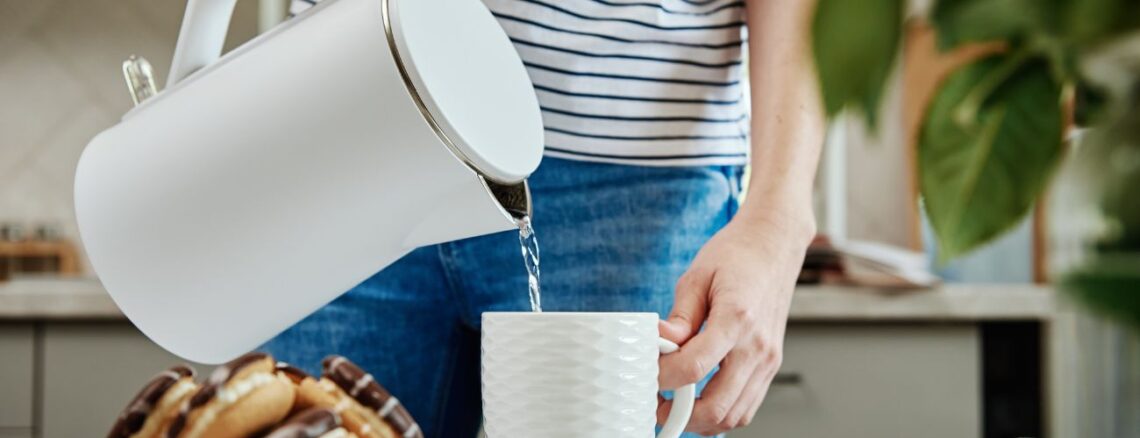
683,400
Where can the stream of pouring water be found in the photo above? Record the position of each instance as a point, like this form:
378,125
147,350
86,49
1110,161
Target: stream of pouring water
529,243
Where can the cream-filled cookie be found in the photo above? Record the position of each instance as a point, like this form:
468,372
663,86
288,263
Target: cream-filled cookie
156,405
367,392
366,409
312,423
239,399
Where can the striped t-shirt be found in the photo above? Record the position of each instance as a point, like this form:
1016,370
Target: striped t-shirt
652,82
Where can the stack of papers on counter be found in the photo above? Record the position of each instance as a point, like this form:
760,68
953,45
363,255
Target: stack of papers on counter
862,263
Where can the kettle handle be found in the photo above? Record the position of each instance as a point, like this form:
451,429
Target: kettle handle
200,40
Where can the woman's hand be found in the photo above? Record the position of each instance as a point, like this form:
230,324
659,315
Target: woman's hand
741,284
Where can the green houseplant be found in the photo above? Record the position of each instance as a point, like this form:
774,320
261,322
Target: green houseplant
992,137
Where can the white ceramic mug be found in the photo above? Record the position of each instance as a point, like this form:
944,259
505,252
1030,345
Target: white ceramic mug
556,374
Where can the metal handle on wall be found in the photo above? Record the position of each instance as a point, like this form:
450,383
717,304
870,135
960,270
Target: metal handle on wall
789,378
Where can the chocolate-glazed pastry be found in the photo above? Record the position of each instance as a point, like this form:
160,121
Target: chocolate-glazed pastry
239,398
296,375
219,377
366,391
298,378
155,405
361,421
311,423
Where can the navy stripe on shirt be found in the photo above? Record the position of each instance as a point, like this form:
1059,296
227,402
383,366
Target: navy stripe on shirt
738,4
645,158
728,64
632,78
647,137
727,45
638,98
645,118
700,2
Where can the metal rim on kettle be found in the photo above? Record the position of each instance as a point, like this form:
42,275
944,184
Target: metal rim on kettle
386,17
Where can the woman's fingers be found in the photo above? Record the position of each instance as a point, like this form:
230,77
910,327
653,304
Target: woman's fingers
690,306
704,351
754,392
663,409
712,413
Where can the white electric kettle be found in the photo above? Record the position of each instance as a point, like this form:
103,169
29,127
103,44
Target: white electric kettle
260,185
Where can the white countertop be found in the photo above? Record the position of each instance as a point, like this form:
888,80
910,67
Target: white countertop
949,302
78,299
56,299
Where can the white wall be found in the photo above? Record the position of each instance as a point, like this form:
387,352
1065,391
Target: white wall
879,185
61,83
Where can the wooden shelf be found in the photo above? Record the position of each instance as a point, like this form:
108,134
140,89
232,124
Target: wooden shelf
62,254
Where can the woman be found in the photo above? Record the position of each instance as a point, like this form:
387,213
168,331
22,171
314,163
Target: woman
647,131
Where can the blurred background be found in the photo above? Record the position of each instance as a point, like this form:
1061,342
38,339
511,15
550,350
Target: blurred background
885,338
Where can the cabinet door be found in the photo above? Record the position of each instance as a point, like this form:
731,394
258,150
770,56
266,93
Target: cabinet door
17,362
883,381
91,371
15,432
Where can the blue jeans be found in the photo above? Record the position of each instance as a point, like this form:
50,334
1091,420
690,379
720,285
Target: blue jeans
613,238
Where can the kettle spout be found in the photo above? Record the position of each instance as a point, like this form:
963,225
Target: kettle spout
471,210
513,198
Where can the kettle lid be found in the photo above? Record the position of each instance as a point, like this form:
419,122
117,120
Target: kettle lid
470,83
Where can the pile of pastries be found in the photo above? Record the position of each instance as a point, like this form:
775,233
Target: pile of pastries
256,396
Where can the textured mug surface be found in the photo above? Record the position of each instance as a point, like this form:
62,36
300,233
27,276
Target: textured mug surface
569,374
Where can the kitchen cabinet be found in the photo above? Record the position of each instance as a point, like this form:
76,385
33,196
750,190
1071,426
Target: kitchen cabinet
838,379
17,377
856,363
874,380
90,371
16,432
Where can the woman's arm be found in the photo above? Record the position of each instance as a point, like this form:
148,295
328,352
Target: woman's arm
787,112
741,281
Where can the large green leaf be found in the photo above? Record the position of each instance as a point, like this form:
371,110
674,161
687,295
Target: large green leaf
959,21
1073,21
1054,29
1093,21
1109,284
990,140
855,43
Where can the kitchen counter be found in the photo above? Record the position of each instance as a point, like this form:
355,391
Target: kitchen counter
951,302
854,354
64,299
56,299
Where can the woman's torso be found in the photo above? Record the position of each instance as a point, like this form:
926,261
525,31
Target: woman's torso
644,81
